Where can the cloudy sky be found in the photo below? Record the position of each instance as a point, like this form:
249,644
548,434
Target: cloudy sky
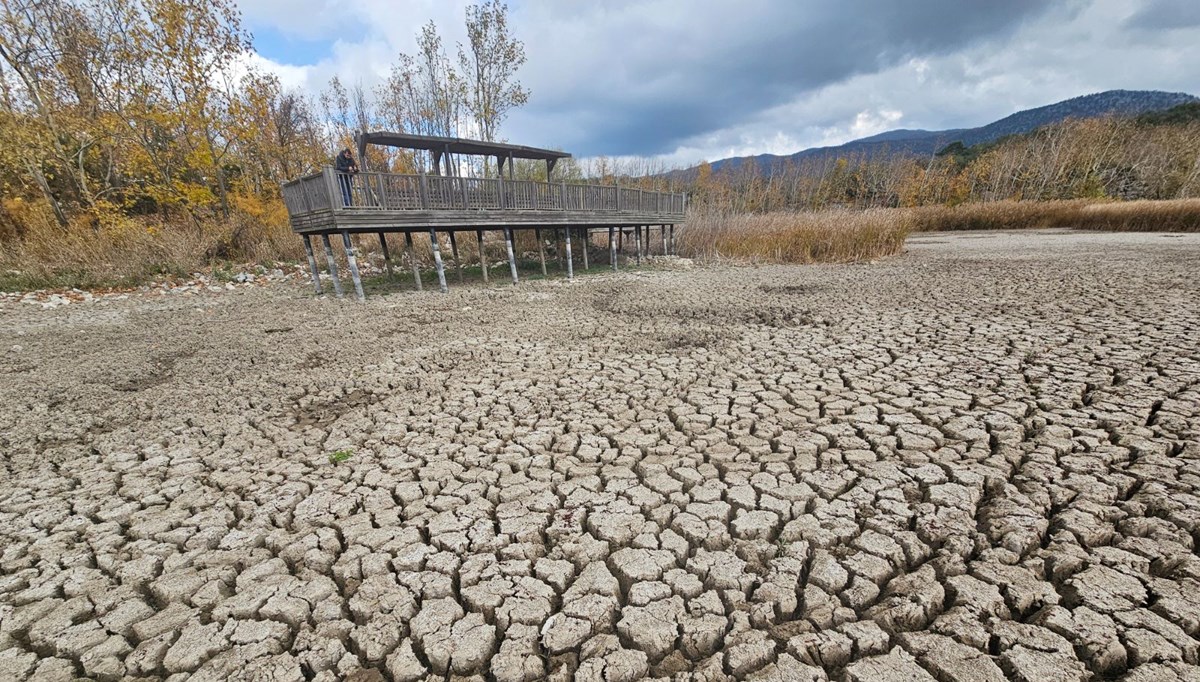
687,80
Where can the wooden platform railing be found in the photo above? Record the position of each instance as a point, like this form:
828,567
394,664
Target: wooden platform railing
328,190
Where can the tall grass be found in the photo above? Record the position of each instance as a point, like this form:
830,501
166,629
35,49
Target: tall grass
843,235
121,251
834,236
1175,215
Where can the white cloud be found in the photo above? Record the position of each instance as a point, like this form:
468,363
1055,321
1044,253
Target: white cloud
681,82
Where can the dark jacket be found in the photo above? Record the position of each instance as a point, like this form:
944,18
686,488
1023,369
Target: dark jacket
345,163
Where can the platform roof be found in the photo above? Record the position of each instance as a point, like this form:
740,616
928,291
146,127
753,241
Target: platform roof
455,145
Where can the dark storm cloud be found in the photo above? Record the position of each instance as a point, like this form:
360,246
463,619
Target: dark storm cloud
1166,15
658,78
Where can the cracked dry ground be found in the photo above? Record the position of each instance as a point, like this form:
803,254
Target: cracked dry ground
975,461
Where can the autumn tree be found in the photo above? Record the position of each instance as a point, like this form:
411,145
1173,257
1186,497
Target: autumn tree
489,63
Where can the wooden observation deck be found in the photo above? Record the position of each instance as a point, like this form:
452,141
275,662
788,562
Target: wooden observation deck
330,202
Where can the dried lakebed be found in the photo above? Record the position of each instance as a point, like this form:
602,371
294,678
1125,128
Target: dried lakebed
975,461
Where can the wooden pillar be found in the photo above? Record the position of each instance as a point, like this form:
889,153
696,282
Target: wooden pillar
672,240
662,233
512,258
620,240
585,235
537,233
570,263
437,261
337,285
454,252
482,255
412,259
558,252
353,263
637,235
387,257
612,250
312,264
646,236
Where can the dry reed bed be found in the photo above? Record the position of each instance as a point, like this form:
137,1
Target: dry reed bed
1173,215
844,235
837,236
127,252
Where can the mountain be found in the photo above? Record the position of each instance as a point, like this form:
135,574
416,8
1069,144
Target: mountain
928,142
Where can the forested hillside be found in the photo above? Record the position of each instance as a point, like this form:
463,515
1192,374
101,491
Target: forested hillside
1153,156
925,142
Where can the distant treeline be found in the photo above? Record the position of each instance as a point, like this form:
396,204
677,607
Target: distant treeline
1153,156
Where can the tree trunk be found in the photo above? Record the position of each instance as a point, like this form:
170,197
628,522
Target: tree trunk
40,179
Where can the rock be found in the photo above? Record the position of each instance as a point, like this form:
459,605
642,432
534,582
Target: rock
895,666
196,644
653,628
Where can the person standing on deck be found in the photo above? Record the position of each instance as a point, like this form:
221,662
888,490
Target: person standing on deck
345,167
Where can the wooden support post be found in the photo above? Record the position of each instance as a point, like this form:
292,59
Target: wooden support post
537,233
454,252
612,250
512,258
482,255
570,264
672,240
353,263
412,259
337,285
662,233
558,252
637,235
387,257
437,261
586,239
312,264
646,236
621,240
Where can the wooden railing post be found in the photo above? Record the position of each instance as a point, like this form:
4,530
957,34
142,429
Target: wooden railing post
500,185
462,182
562,190
424,189
618,189
335,195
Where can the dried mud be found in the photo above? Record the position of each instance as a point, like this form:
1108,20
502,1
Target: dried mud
975,461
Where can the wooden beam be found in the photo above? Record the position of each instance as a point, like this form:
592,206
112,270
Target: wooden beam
537,233
412,259
454,252
437,261
512,258
312,264
387,257
482,255
570,264
353,263
333,273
